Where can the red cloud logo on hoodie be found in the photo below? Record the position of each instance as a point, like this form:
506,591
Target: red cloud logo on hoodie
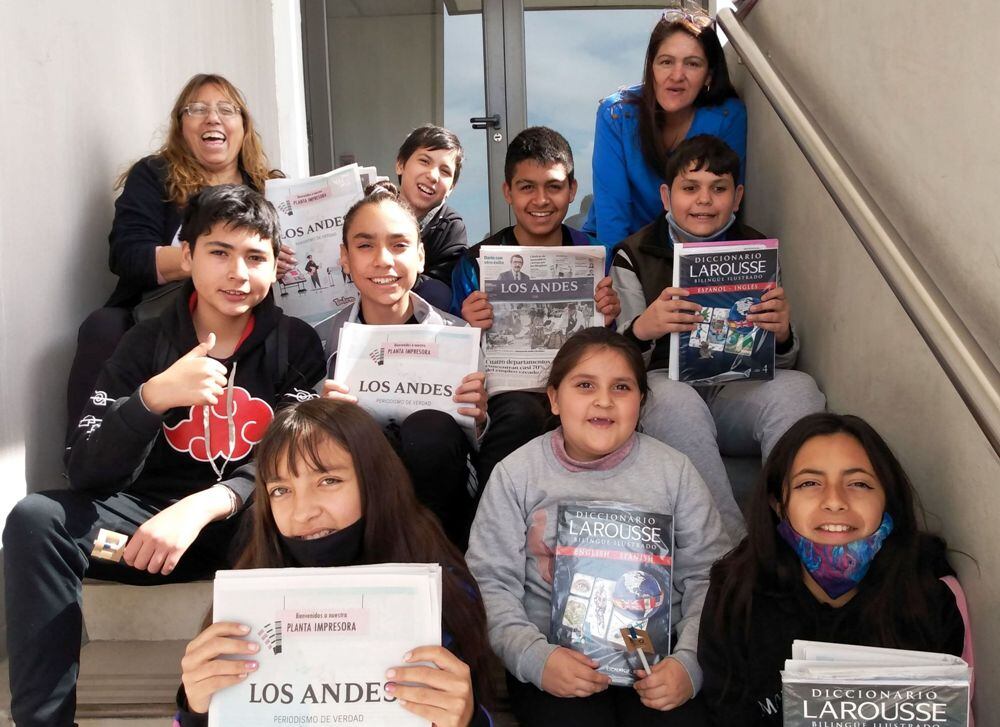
250,416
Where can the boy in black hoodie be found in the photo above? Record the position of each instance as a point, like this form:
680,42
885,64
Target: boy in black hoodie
162,452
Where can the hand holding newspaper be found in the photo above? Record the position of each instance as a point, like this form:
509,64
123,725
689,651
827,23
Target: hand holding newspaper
327,637
540,296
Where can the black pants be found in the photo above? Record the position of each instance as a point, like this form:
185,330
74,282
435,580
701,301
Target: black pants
46,548
97,339
614,707
516,417
436,452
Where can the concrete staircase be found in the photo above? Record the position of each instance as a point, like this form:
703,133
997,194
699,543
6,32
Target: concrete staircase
130,663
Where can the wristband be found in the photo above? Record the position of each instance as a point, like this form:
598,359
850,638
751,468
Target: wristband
233,504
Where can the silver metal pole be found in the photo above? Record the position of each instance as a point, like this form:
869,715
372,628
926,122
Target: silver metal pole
970,370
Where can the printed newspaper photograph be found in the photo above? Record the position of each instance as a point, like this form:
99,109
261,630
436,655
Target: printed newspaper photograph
327,636
311,213
540,296
398,370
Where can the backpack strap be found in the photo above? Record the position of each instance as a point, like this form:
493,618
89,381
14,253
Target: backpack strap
967,651
164,353
276,351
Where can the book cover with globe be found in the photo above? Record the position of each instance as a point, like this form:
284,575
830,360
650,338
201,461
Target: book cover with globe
725,279
613,569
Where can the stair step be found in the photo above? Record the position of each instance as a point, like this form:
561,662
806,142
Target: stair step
121,682
129,672
115,612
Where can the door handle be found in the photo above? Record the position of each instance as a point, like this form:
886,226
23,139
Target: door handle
485,122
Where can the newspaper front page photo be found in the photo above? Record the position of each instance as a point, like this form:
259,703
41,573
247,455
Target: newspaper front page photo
540,296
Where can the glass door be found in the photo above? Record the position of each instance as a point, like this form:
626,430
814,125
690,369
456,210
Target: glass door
599,50
375,69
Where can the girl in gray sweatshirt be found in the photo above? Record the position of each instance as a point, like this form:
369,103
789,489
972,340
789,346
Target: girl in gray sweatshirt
596,387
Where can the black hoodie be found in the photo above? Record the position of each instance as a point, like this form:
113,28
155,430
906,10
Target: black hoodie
120,445
445,241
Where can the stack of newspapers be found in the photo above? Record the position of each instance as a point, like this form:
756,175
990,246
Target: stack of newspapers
327,637
861,686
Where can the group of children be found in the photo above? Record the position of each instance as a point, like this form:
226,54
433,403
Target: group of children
163,454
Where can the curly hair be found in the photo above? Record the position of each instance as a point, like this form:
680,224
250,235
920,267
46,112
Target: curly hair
185,176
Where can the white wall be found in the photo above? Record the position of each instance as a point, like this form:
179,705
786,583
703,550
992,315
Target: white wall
87,89
910,99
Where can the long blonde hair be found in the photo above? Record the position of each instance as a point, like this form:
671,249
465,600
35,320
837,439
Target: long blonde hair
185,176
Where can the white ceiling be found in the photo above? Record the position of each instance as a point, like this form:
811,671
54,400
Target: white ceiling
379,8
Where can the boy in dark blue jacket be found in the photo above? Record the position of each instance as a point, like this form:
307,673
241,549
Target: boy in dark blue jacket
539,187
162,454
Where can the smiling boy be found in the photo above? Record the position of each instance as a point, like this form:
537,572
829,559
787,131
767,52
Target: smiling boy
428,165
162,454
701,198
539,186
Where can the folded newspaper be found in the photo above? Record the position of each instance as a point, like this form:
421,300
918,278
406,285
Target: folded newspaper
311,213
540,296
613,571
725,279
862,686
327,637
398,370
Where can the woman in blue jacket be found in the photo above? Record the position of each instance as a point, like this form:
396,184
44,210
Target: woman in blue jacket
685,91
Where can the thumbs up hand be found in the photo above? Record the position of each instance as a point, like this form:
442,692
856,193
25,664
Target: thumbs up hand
193,380
669,313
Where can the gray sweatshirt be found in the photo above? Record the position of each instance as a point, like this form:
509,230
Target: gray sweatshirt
513,539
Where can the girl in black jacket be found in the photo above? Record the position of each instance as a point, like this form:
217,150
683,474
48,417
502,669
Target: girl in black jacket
833,553
330,491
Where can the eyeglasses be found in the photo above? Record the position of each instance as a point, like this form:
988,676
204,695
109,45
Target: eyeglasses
688,12
225,109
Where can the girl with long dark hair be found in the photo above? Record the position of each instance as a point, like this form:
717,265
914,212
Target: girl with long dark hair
685,91
330,491
833,553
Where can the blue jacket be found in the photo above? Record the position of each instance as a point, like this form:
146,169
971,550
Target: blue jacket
465,276
626,190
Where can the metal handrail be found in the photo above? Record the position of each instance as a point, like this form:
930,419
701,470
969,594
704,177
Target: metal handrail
970,370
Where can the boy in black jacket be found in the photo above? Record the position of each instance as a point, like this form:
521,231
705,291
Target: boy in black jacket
539,185
162,452
428,165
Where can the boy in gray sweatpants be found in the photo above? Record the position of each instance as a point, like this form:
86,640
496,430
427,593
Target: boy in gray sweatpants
701,198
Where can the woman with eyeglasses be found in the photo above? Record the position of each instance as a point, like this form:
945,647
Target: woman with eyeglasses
685,91
211,140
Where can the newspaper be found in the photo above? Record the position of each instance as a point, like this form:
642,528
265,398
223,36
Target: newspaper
832,684
398,370
327,637
311,212
540,297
